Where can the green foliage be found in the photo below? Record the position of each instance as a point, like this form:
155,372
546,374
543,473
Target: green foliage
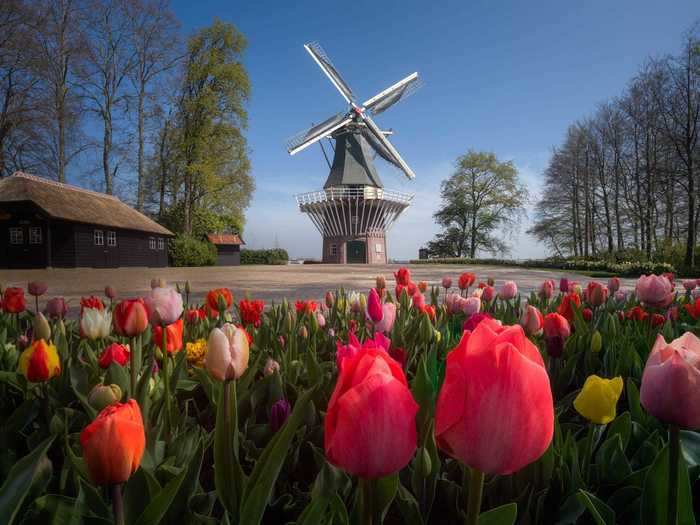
272,256
185,250
204,221
481,201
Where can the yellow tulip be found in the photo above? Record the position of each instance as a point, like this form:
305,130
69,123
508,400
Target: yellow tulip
40,362
598,398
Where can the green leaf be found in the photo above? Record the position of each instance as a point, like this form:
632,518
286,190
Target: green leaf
408,507
159,505
262,480
79,384
622,425
228,475
19,482
655,492
633,401
383,493
117,375
503,515
690,444
602,514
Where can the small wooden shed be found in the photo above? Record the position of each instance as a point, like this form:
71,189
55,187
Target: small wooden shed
228,248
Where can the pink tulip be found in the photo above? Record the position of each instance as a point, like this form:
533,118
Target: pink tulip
374,306
447,282
227,352
508,291
271,366
388,318
532,320
671,381
452,301
547,289
470,305
37,288
654,291
110,292
614,284
164,305
495,411
596,293
320,319
370,424
620,296
690,284
418,300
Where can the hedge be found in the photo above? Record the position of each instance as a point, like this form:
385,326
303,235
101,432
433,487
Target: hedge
624,269
274,256
185,250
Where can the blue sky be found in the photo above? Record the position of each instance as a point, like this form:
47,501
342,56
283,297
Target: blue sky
508,77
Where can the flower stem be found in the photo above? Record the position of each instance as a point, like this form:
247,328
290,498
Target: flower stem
587,453
166,378
118,504
132,365
674,456
476,488
367,503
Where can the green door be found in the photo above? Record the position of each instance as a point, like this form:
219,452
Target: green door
357,252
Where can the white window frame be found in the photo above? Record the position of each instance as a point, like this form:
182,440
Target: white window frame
35,235
378,247
334,249
151,243
17,236
111,238
98,237
161,243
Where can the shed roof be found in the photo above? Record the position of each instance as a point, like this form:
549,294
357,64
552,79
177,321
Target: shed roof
71,203
224,238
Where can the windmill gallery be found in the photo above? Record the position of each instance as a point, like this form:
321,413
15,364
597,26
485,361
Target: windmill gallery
354,212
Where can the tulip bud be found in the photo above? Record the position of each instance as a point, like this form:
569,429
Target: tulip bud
598,398
271,366
303,332
422,286
37,288
288,322
329,299
110,292
564,285
188,288
614,284
101,396
61,327
279,413
157,282
41,328
380,282
363,303
491,281
447,282
374,306
532,321
425,329
596,342
320,319
437,335
228,353
424,465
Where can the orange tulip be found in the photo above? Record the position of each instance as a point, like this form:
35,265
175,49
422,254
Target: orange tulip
213,298
40,362
173,336
130,317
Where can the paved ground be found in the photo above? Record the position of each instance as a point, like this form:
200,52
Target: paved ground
264,282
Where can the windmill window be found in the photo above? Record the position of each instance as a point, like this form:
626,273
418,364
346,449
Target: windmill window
16,236
353,219
111,238
152,243
99,237
35,235
334,249
378,247
161,243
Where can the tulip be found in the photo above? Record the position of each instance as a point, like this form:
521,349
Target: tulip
13,300
196,350
597,400
532,321
690,284
130,317
422,286
596,342
271,366
670,381
101,396
320,319
195,315
564,285
453,303
251,311
470,305
41,328
556,331
620,296
412,288
219,299
418,300
587,314
508,291
566,307
466,280
110,292
494,411
91,302
388,318
95,324
374,306
614,284
491,281
329,299
596,293
654,291
471,323
547,289
403,276
113,443
56,308
279,413
114,353
447,282
227,357
164,306
173,336
380,282
37,288
488,293
157,282
370,427
40,362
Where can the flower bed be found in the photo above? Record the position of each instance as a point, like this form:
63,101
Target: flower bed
421,404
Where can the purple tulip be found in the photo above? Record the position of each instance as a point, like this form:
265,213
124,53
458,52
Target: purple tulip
279,413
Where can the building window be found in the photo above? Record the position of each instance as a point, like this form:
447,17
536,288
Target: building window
161,243
16,236
353,219
111,238
378,247
35,235
152,243
99,238
334,249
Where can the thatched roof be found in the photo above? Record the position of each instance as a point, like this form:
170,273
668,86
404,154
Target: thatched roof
224,238
71,203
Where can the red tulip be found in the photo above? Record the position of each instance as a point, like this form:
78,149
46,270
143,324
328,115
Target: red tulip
488,293
114,353
91,302
113,443
403,276
422,286
130,317
13,300
637,314
195,315
556,331
110,292
251,311
370,425
374,306
670,381
596,293
587,314
473,321
614,284
495,411
532,320
566,308
173,336
466,280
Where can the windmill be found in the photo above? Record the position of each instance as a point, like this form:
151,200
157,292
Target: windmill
353,212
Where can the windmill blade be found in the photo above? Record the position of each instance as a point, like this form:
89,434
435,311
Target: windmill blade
315,133
390,96
319,55
397,160
378,147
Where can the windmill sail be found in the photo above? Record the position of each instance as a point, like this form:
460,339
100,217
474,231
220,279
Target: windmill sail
394,94
315,133
379,136
319,55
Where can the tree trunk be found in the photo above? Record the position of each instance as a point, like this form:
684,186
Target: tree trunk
141,138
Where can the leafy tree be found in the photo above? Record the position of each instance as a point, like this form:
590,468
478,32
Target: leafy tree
481,202
211,118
